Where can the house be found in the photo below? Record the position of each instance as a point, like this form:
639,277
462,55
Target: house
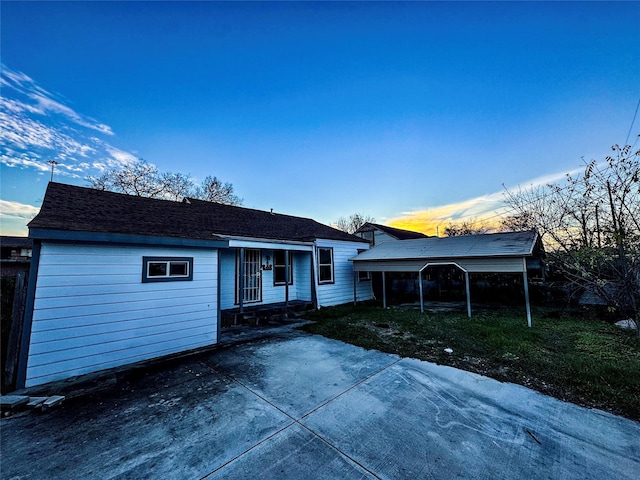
376,234
15,255
116,279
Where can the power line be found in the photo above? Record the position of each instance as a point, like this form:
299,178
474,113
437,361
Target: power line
632,122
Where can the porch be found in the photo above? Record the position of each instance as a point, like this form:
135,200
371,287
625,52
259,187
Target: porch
264,313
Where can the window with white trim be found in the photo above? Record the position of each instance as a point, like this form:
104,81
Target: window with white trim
279,268
363,276
325,265
167,269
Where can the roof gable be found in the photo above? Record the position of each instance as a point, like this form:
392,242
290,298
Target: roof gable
398,233
81,209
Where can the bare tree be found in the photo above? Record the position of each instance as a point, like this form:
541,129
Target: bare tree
214,190
591,227
353,222
466,227
143,179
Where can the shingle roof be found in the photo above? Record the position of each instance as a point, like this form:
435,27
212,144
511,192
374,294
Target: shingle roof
398,233
511,244
81,209
21,242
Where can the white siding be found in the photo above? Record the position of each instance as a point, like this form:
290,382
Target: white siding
302,275
300,290
341,291
92,311
227,278
382,237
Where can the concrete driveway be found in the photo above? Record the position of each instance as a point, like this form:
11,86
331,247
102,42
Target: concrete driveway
300,406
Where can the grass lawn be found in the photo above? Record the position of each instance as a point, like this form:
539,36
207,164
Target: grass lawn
573,356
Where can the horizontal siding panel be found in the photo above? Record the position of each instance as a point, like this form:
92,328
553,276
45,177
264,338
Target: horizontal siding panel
97,342
99,350
113,289
125,297
97,309
133,271
112,261
48,373
66,331
83,280
108,250
64,321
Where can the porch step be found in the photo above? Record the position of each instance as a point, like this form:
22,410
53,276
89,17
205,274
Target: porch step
264,314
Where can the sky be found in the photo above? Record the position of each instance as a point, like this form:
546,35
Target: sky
416,114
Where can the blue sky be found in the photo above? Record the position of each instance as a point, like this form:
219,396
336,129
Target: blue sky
413,113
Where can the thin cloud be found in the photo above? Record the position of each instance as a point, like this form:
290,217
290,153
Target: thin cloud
37,128
45,103
24,163
16,210
24,133
120,156
487,208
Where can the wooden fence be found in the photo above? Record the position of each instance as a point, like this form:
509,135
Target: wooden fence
13,331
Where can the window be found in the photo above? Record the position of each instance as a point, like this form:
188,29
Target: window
279,268
167,269
363,276
368,235
325,265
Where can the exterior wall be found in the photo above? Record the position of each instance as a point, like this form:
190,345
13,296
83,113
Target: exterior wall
300,290
92,311
341,290
227,278
380,237
302,275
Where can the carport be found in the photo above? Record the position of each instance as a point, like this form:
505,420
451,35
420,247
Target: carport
490,253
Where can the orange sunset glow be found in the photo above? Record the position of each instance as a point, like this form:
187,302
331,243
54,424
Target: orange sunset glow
487,209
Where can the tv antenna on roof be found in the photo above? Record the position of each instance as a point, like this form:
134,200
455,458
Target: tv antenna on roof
53,166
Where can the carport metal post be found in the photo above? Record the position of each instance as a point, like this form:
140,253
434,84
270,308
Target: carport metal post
384,291
355,288
420,286
526,290
466,281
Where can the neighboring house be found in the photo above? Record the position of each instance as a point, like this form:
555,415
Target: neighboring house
376,234
116,279
15,255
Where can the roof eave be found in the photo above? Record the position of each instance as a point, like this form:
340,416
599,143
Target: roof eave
123,238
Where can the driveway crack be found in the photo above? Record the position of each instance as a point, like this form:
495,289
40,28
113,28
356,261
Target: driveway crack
298,421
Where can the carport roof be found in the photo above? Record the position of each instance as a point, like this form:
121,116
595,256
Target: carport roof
490,253
511,244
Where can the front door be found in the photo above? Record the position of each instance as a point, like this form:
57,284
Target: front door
250,290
